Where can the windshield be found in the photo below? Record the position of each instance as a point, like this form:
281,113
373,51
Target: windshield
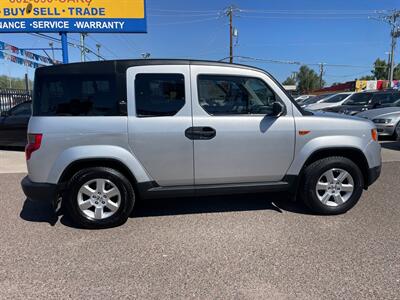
396,103
359,99
336,98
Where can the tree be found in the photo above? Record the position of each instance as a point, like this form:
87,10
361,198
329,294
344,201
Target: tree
396,74
367,77
290,81
380,70
14,83
308,80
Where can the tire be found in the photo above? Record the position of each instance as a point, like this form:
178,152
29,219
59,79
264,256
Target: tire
323,197
99,198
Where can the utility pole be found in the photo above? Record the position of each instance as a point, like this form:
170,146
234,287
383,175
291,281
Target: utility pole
232,31
388,64
393,20
395,34
51,44
98,46
83,47
321,74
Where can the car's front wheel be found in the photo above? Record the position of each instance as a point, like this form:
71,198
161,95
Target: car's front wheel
99,198
332,185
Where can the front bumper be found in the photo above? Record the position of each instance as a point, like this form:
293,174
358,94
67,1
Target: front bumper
40,192
373,175
385,129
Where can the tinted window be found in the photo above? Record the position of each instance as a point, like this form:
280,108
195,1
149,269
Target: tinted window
336,98
23,109
159,94
234,95
359,99
383,99
76,95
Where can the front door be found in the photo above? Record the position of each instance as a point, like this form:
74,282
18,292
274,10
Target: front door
238,139
160,111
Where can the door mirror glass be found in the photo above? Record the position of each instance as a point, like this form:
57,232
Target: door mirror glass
277,109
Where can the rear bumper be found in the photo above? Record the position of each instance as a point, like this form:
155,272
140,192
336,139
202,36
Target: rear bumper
373,175
40,192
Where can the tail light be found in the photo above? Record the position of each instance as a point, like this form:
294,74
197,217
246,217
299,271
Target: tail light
34,143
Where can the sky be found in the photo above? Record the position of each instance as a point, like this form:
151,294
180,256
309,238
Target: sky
307,31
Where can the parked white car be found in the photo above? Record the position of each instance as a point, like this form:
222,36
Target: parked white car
332,101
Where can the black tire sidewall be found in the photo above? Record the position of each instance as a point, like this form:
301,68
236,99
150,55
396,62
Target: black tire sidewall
125,188
315,172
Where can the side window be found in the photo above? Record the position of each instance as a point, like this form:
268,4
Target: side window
159,95
235,95
79,95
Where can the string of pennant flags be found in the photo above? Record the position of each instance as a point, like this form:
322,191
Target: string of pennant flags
33,61
20,61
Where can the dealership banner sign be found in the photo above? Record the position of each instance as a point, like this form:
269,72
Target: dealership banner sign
101,16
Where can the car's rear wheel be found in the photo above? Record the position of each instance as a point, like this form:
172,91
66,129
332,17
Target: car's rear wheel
99,198
332,185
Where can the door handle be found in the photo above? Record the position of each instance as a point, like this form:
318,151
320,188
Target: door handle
200,133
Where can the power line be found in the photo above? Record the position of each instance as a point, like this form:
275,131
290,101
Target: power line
104,46
311,12
184,15
48,37
186,22
185,11
299,63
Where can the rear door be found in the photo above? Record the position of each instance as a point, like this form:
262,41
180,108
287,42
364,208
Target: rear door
240,140
159,113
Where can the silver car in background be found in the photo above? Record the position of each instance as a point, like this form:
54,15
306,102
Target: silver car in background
331,101
387,120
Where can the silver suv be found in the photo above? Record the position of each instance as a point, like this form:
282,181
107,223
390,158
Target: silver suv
104,134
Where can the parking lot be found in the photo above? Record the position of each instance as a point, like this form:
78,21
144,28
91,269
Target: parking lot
250,246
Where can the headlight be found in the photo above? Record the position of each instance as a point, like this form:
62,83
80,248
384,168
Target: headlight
382,121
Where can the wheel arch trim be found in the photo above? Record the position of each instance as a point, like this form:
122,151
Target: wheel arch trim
91,154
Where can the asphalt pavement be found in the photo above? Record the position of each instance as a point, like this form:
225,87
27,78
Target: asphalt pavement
242,247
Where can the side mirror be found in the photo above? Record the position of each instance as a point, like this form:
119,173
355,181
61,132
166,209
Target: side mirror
277,109
5,113
377,104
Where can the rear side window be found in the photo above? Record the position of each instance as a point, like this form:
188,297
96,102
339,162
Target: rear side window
383,98
359,99
159,95
76,95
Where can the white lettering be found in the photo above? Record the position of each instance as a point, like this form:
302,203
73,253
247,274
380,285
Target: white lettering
100,25
13,25
50,24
